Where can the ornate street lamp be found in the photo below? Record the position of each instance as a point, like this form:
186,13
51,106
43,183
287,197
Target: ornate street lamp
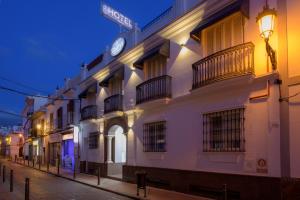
266,22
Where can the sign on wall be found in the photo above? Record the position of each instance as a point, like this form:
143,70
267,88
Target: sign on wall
118,46
262,166
116,16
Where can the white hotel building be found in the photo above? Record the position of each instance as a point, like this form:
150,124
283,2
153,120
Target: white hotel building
194,100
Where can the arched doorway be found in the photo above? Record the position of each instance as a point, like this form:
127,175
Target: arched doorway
116,151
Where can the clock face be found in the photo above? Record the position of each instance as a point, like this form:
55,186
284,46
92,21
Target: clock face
117,46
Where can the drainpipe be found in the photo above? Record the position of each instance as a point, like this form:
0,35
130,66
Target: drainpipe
284,89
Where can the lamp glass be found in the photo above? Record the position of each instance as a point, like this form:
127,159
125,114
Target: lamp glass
266,25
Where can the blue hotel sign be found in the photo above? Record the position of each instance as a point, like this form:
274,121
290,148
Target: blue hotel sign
116,16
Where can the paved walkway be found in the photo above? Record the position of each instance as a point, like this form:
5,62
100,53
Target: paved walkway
119,187
44,186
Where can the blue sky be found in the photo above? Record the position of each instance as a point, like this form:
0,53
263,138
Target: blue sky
44,41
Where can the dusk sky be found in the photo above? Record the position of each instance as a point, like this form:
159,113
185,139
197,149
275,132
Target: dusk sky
43,41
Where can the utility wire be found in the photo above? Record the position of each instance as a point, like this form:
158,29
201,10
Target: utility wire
23,85
11,113
27,94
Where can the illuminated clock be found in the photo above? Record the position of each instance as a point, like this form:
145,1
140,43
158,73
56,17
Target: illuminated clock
118,46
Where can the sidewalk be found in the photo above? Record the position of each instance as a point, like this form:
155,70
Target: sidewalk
118,187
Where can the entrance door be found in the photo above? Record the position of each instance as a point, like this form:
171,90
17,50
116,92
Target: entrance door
116,151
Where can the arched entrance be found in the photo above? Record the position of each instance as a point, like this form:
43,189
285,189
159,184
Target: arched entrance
116,151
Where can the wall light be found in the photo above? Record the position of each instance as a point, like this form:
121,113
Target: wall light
39,126
266,23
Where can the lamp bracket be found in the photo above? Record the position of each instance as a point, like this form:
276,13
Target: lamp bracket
272,54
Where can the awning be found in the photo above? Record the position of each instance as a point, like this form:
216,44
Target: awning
68,136
91,89
162,49
95,62
238,6
117,73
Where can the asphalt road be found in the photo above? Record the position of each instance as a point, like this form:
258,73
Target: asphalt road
44,186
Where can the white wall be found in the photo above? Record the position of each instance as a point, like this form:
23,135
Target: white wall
184,133
86,154
295,131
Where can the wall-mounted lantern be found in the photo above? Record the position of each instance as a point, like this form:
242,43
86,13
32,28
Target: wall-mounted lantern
38,126
266,22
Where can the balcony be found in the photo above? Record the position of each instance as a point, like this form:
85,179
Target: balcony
113,103
229,63
89,112
153,89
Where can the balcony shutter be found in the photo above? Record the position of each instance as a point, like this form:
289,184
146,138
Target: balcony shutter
224,34
155,67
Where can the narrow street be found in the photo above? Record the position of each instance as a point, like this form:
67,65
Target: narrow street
45,186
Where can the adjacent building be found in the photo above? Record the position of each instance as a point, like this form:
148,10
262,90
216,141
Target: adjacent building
193,98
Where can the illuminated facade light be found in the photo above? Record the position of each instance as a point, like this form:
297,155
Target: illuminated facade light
266,23
39,126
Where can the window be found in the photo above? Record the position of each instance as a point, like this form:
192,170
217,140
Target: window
224,131
155,66
93,140
155,137
51,121
59,118
224,34
66,147
70,112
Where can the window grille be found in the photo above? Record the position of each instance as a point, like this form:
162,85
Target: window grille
224,131
154,139
93,140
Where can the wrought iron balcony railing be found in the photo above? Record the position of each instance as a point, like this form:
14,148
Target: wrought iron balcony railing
155,88
89,112
225,64
113,103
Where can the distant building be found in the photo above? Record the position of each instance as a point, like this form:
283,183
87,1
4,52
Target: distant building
14,144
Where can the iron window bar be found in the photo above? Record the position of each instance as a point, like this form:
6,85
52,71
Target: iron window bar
224,131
